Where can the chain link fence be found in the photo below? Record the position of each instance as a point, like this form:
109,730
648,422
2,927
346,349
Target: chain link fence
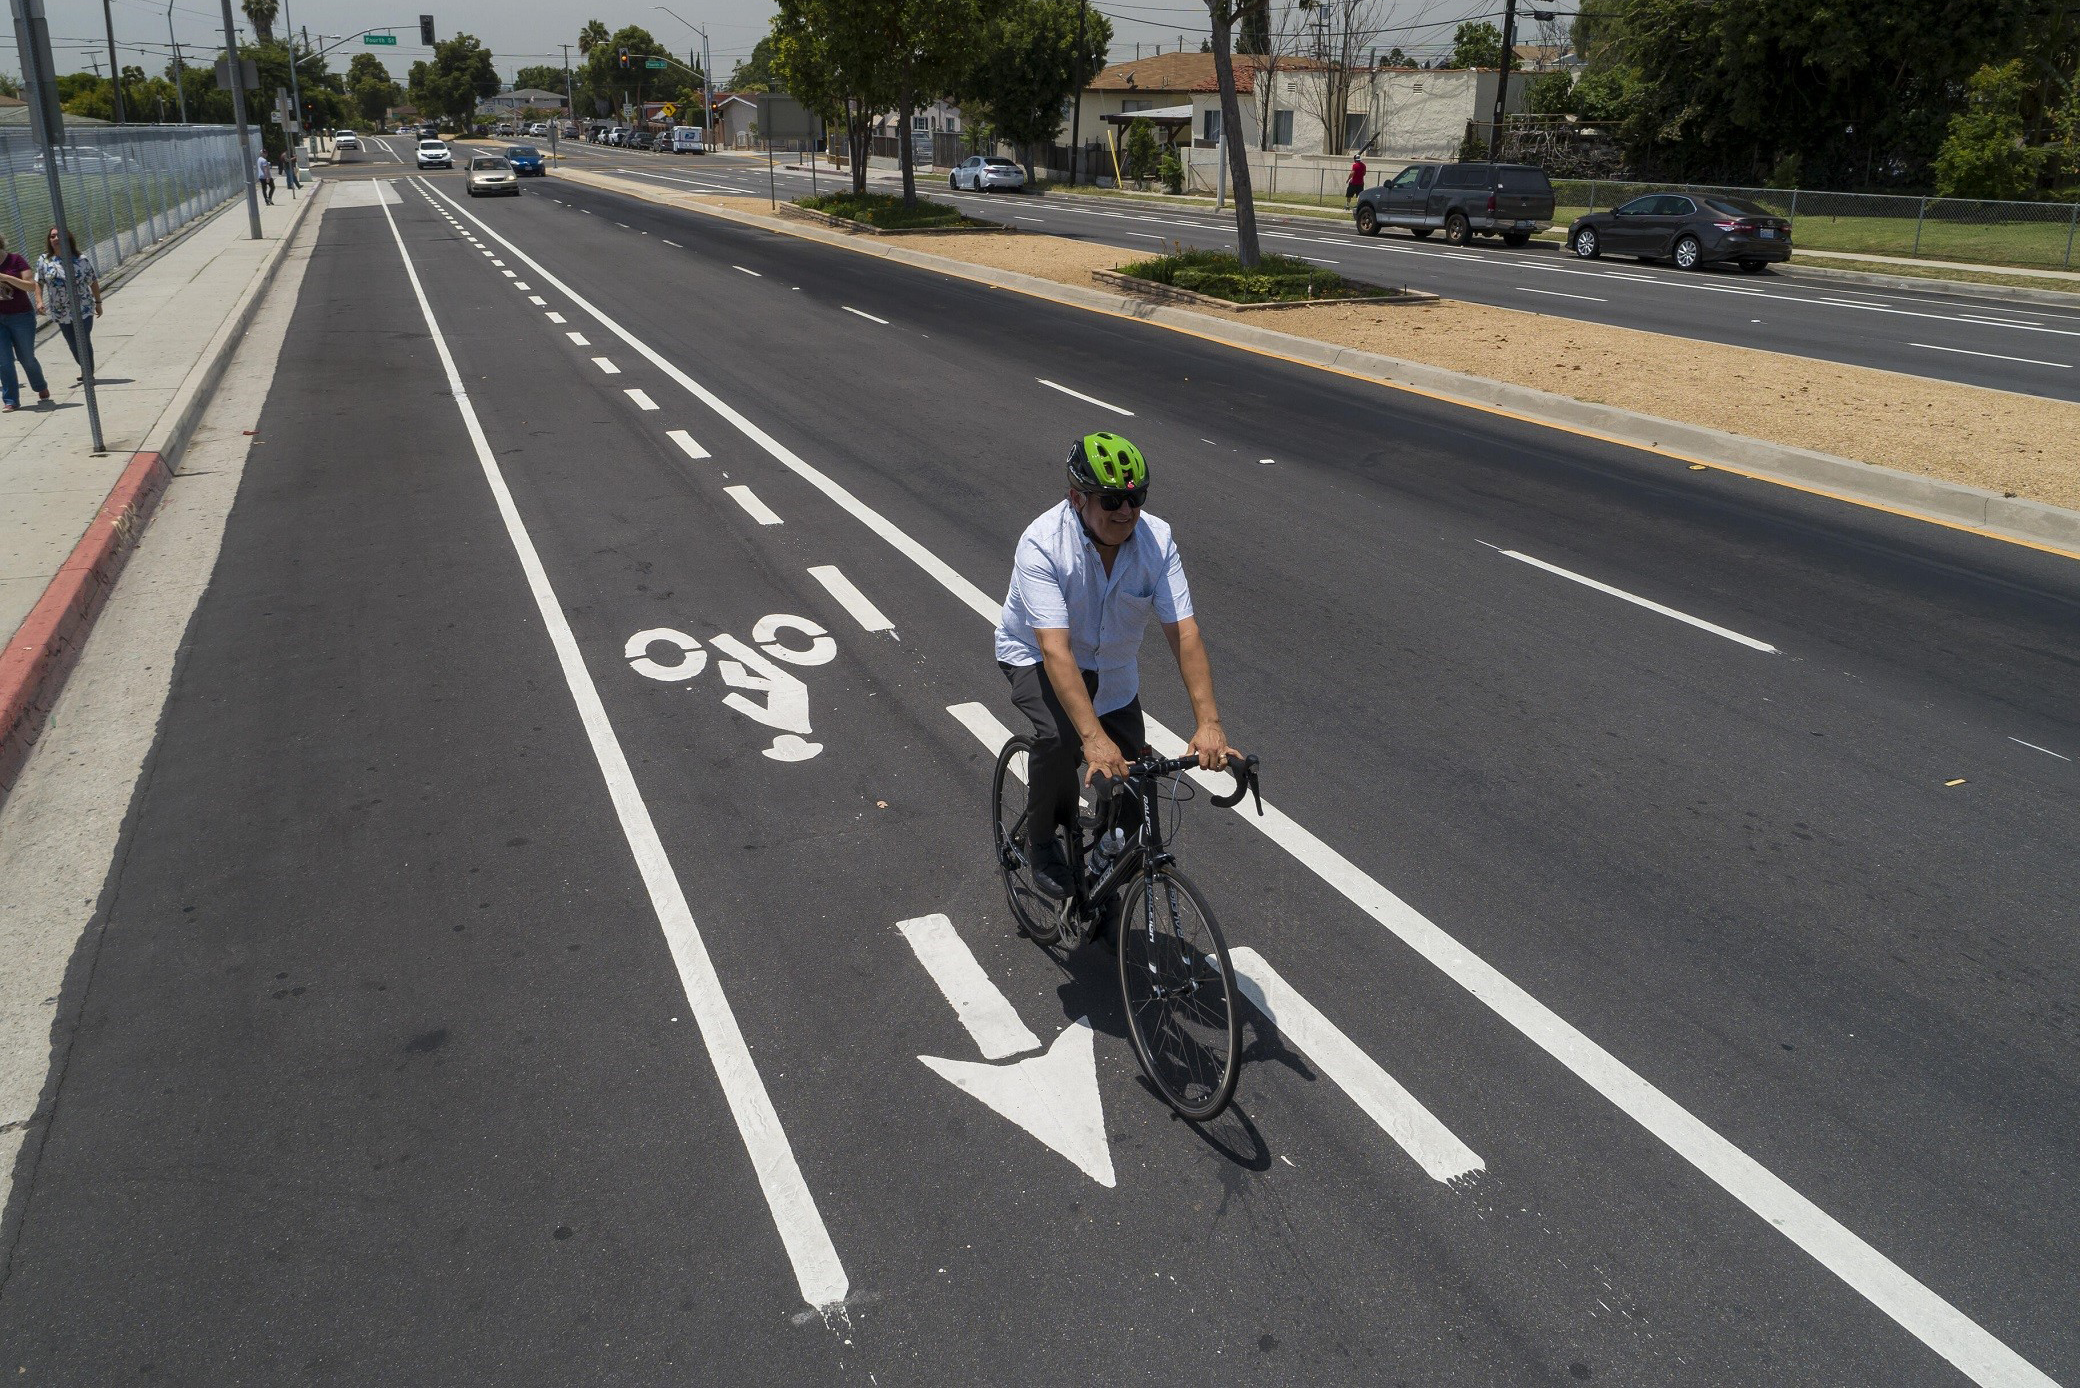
2039,235
125,187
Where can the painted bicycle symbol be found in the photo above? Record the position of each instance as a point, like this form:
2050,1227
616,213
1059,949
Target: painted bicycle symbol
749,669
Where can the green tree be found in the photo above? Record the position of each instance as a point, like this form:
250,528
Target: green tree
830,56
10,85
1550,94
1253,30
460,75
1141,153
1397,58
371,91
1032,58
262,13
1983,156
542,76
607,80
1476,43
756,73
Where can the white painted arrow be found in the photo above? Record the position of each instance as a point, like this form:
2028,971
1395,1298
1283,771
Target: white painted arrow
1053,1096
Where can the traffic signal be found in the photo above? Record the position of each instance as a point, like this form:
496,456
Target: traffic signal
624,58
426,30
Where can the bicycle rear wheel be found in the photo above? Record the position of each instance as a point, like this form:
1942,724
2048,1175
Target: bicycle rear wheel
1180,994
1035,912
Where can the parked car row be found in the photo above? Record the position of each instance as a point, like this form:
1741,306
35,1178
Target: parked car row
1515,202
679,139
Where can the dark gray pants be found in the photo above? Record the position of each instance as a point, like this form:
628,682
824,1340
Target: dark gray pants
1057,750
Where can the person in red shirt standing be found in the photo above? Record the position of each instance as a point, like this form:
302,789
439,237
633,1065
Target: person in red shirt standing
1357,181
18,306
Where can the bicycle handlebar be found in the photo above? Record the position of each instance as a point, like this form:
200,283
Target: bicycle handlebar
1243,769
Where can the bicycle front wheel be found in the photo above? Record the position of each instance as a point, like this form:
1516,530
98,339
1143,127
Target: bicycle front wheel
1032,908
1182,1010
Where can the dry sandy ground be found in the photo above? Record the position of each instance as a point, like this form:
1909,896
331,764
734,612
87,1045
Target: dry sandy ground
2017,444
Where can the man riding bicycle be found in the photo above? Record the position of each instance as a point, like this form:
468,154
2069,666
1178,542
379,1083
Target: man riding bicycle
1087,576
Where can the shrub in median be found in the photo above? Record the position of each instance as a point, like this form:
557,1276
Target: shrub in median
886,212
1274,279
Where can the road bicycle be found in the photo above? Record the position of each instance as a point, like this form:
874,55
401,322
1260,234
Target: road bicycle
1179,989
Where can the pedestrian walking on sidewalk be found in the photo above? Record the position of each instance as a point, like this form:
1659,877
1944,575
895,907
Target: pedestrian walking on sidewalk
263,172
289,169
71,296
19,301
1357,180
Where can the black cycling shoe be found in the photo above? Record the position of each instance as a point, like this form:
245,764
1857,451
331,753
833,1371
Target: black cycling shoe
1050,869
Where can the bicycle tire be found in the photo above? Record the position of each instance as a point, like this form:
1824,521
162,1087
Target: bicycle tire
1032,908
1190,1053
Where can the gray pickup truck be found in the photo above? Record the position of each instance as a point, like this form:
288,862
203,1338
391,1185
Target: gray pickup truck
1461,200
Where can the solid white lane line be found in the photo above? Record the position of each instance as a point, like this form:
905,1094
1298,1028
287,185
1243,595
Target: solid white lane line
1996,356
578,338
606,365
753,273
1636,600
1399,1113
868,316
818,1272
686,443
1919,1311
642,399
982,1008
1556,294
2045,750
1036,221
756,509
851,598
1086,399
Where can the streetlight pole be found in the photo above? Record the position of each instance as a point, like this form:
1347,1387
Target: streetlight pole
707,87
1509,38
295,92
115,69
180,80
238,112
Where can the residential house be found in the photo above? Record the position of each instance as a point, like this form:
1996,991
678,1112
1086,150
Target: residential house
518,100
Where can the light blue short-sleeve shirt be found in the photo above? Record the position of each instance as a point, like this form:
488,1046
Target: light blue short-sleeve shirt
1058,580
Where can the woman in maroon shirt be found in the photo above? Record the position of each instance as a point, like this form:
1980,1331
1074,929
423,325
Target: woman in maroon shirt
18,308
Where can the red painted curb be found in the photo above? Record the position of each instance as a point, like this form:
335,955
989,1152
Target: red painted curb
39,656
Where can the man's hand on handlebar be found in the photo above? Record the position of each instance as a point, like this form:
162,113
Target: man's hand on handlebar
1210,745
1101,757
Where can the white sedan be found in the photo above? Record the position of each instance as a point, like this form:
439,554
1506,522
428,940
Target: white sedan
346,139
433,154
982,173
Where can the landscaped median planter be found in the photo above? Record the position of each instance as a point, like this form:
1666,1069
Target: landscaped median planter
877,214
1216,279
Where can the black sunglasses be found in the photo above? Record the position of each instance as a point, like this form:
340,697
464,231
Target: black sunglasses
1112,501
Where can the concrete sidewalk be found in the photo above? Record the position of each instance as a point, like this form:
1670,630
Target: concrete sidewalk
67,514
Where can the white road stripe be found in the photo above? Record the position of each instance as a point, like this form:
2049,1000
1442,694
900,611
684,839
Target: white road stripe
537,300
578,338
1996,356
868,316
1086,399
851,598
1953,1335
673,244
686,443
986,726
606,365
495,261
753,507
753,273
2045,750
642,398
818,1273
1556,294
1636,600
554,317
2002,322
983,1009
1399,1113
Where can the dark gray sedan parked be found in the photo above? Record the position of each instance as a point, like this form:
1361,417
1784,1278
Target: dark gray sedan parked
1690,230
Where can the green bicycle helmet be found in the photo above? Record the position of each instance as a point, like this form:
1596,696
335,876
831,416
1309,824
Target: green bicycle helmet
1106,462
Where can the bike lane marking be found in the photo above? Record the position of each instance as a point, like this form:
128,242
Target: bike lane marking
1949,1332
818,1272
753,507
851,599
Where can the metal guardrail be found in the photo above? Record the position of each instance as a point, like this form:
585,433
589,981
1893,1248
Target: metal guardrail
125,187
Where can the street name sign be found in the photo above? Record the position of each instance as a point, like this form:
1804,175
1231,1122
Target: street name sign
390,39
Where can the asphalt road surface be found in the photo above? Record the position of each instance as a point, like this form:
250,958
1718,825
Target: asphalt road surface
520,958
1942,334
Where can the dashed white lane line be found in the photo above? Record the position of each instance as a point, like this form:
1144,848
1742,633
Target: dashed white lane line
851,598
753,507
1996,356
1399,1113
537,300
818,1272
981,1006
511,275
686,443
578,338
519,285
488,253
868,316
1086,399
673,244
1637,601
2045,750
622,225
642,399
555,317
606,365
753,273
496,261
1556,294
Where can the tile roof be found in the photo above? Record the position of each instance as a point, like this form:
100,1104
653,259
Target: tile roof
1186,72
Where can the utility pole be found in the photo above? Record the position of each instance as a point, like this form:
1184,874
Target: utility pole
1083,37
570,95
238,112
1509,39
180,81
115,69
295,93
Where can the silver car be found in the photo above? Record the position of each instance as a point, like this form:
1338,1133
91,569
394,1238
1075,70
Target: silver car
491,176
982,173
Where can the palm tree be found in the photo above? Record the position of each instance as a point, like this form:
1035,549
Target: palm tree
262,13
592,36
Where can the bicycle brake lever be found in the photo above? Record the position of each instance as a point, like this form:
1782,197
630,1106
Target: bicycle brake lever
1256,790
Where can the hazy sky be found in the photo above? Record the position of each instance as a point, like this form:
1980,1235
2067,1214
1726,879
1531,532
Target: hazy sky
520,32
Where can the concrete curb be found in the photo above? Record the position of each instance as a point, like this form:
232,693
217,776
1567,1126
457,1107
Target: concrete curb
1952,504
1170,294
37,658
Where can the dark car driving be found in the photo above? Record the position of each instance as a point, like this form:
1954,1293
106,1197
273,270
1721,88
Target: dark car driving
526,160
1689,230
